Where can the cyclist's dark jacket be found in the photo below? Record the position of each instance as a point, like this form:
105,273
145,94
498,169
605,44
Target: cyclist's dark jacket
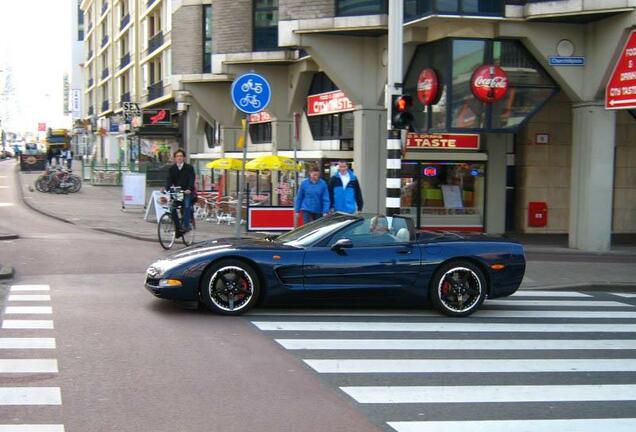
183,178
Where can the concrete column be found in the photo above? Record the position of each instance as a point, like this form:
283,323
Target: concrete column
591,186
497,144
282,135
369,154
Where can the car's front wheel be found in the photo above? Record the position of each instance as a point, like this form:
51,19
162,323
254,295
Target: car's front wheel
458,288
230,287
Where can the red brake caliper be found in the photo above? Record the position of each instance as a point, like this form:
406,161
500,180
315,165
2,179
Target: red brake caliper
445,288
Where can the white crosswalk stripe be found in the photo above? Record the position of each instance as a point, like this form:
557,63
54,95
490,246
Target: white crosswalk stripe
624,294
13,362
546,348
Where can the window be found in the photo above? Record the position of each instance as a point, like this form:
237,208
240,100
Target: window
212,134
80,22
261,133
414,9
265,25
361,7
207,38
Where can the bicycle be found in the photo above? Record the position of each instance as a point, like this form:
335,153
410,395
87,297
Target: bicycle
167,227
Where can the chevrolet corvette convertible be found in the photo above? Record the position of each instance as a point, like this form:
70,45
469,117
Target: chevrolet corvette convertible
371,256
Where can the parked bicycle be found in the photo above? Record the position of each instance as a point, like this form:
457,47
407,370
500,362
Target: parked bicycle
58,180
168,229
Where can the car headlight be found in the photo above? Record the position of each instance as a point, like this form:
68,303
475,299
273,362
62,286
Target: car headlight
153,272
169,283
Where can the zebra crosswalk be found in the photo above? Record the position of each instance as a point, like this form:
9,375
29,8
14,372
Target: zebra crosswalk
27,348
538,361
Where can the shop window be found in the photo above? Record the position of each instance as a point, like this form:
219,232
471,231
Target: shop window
361,7
330,126
261,133
207,38
265,25
458,110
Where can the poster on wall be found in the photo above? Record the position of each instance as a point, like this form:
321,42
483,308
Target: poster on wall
133,189
452,196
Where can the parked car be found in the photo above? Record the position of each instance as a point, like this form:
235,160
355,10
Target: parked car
368,255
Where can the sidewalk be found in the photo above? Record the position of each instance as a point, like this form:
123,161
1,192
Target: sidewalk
551,264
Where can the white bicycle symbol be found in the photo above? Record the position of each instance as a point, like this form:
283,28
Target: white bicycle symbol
250,99
249,85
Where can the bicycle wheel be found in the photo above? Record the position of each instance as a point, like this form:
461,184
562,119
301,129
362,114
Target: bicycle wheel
42,184
165,231
188,238
77,183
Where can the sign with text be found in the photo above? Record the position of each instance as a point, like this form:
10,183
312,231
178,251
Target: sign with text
261,117
328,103
156,117
415,141
620,92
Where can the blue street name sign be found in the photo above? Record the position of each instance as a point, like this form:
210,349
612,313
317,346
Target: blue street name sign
566,61
251,93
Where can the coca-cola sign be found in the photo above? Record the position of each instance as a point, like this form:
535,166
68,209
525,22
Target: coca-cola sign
489,83
427,87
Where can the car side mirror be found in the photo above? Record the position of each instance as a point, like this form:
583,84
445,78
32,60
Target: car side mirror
341,244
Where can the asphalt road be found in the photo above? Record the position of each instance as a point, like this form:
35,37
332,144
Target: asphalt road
125,361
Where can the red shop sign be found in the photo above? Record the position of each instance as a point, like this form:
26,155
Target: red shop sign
328,103
489,83
260,117
415,141
427,87
620,92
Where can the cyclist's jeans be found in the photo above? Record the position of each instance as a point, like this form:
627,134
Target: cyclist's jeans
187,212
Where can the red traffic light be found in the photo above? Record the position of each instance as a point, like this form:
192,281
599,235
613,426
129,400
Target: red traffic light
403,103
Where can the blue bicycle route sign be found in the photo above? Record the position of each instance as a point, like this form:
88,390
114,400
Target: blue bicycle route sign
251,93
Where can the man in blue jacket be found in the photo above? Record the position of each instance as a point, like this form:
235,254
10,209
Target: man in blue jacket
312,197
344,190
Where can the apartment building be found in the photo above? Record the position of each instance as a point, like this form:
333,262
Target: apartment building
545,158
127,48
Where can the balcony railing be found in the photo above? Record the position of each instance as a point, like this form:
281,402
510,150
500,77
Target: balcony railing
124,22
91,110
91,81
105,105
104,41
124,98
89,55
104,7
90,27
414,9
155,42
150,2
105,73
155,90
125,61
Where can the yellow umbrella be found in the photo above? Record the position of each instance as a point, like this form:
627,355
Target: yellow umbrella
272,163
226,164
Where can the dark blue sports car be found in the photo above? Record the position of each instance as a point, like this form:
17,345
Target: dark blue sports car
368,255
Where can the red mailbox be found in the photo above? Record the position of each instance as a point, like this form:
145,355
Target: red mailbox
537,214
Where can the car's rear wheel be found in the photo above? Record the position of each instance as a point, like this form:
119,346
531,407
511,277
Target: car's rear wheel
230,287
458,288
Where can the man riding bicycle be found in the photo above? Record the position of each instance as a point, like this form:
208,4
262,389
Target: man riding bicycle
181,175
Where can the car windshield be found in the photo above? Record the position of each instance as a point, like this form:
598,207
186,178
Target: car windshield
308,234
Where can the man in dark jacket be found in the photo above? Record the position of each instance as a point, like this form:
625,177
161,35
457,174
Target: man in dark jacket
344,190
182,175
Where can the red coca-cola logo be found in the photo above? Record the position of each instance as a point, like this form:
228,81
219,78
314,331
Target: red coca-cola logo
427,87
489,83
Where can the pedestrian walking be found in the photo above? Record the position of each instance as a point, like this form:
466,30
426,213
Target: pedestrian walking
344,190
58,156
313,197
182,175
49,156
68,155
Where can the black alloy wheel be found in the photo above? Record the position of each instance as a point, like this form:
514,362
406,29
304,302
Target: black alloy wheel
458,288
230,287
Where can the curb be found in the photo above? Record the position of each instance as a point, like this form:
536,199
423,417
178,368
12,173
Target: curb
9,237
124,234
6,272
615,286
32,206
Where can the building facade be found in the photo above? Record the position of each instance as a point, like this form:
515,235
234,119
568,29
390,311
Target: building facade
545,158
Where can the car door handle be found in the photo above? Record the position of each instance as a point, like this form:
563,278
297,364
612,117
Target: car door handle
404,251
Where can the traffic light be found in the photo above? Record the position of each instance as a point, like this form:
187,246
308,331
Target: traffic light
401,112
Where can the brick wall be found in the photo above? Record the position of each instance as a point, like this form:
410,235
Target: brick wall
232,24
303,9
187,40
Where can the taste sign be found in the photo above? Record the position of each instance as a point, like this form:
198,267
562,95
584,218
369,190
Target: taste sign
416,141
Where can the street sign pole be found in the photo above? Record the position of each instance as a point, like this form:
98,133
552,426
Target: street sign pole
394,80
239,204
